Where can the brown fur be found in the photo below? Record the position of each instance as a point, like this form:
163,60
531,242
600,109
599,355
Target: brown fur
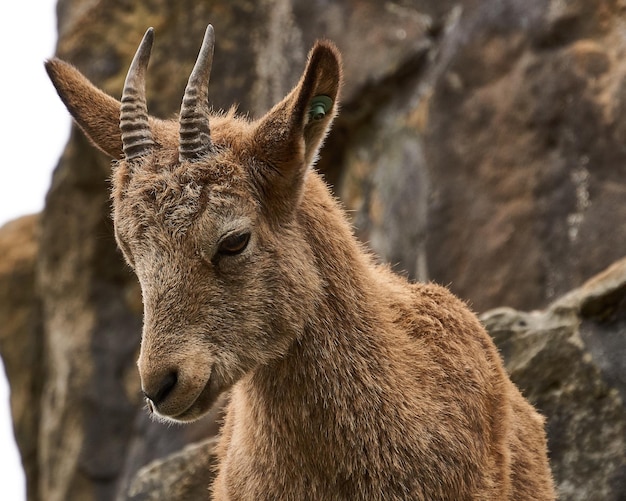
347,382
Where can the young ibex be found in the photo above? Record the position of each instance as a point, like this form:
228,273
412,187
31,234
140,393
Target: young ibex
346,381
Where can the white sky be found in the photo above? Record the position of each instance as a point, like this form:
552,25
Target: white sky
36,128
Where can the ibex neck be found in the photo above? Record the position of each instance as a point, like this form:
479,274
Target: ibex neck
338,372
351,279
350,328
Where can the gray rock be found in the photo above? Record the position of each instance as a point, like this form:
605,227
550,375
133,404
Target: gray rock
566,361
185,475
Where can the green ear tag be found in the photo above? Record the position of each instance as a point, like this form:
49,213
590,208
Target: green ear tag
319,107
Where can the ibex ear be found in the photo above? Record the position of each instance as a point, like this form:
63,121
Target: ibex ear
289,136
97,113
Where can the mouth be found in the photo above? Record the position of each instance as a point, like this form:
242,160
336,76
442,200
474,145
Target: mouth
200,406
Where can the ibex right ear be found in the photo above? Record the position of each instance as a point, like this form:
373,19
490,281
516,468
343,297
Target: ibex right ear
289,136
97,113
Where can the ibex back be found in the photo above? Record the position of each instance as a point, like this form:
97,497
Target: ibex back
346,381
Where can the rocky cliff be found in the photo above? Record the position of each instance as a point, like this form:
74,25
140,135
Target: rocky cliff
480,145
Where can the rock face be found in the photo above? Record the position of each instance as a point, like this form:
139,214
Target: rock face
480,145
21,336
493,165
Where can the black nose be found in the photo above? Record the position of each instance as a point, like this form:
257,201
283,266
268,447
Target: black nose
165,388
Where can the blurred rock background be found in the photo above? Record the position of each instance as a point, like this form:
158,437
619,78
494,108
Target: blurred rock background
481,144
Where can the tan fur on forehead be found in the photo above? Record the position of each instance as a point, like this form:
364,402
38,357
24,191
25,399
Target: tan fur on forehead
157,189
161,170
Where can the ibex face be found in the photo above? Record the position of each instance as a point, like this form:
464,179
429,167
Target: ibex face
208,219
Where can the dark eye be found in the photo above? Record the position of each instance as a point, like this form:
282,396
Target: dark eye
234,244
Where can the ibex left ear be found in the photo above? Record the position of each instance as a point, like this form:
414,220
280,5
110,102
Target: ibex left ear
289,136
97,113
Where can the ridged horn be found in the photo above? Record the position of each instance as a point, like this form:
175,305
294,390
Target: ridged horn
136,135
195,134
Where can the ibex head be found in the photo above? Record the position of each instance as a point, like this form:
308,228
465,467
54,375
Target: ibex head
205,210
